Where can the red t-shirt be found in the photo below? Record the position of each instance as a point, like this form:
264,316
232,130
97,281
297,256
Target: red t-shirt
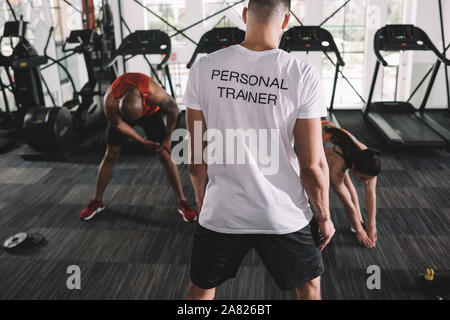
137,80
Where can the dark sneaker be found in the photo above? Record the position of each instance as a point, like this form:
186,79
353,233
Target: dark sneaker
188,213
92,209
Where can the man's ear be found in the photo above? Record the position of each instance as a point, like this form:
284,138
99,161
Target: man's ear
287,18
244,15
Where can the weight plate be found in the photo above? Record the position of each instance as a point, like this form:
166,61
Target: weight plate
35,239
15,241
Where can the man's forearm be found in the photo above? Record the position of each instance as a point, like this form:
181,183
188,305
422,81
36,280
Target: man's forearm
172,119
317,185
172,116
199,179
128,131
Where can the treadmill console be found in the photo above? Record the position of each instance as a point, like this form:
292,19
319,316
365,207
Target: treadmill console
221,38
15,29
217,39
403,37
145,42
86,36
308,39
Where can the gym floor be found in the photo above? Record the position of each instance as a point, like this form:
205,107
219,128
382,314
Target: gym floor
140,248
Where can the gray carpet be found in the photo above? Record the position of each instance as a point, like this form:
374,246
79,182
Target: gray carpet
140,248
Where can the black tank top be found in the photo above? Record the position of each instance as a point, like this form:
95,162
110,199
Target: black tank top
346,148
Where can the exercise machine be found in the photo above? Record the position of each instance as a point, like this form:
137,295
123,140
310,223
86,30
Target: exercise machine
104,37
91,94
22,69
447,85
315,39
105,43
217,39
400,123
144,43
51,132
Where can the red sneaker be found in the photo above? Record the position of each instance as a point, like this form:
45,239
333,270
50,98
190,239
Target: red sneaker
186,210
92,209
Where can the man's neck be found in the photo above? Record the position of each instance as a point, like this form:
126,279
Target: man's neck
260,38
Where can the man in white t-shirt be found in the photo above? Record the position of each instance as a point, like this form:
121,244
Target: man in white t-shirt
247,106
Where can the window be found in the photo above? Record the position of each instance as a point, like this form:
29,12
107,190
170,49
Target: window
174,12
170,10
59,34
390,74
228,16
298,10
348,27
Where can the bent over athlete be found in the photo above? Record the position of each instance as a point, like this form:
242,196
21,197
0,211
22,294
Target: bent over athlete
135,99
344,153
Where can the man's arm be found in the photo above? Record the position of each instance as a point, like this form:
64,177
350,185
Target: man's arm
161,98
114,118
197,166
315,173
371,208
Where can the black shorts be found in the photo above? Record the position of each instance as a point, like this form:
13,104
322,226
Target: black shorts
292,259
153,126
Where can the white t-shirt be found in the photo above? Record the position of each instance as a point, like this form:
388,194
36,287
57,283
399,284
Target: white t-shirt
236,88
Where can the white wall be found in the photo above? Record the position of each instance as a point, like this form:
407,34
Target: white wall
425,15
376,15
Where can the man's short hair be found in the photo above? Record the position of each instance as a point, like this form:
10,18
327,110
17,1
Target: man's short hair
265,8
131,106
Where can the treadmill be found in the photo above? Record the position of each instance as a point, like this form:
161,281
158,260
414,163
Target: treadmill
217,39
144,43
314,39
400,123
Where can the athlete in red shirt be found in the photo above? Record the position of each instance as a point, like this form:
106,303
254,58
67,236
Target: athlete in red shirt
135,99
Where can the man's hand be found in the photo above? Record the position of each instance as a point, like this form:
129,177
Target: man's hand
150,144
364,239
327,230
165,145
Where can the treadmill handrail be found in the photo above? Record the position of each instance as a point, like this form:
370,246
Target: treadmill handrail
83,46
47,43
428,45
111,62
339,58
194,57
